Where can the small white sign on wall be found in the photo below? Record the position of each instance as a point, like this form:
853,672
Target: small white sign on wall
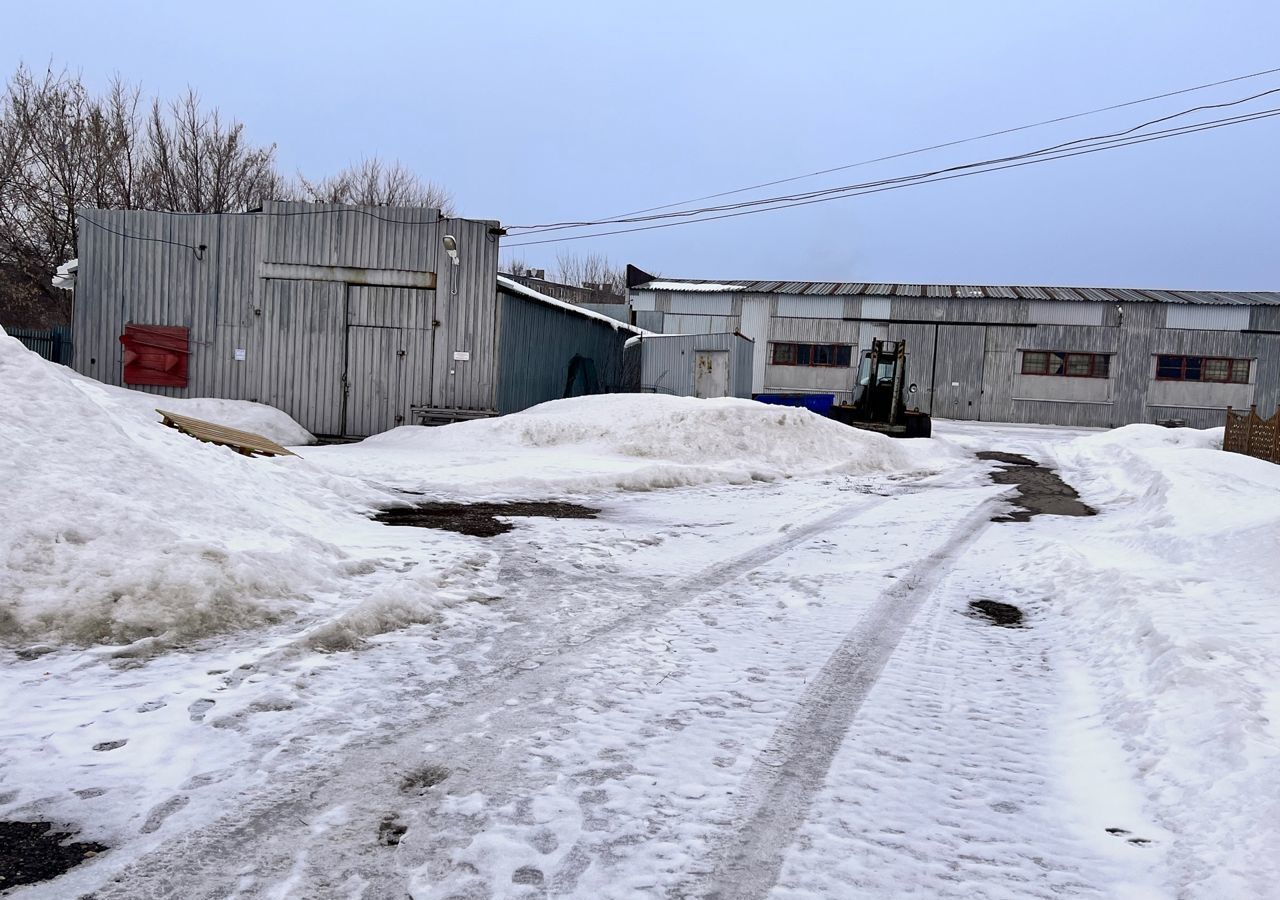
461,355
239,354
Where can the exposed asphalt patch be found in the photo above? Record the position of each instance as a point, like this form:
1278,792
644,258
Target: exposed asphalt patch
480,519
1040,491
1004,614
31,852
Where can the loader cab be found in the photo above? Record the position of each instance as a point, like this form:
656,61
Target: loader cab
882,399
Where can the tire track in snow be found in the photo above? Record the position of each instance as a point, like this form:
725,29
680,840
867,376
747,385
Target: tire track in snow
365,774
781,784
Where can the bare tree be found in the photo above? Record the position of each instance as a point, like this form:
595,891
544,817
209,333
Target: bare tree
196,162
516,266
590,269
62,148
372,182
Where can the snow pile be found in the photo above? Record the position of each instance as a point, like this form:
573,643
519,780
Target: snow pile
1168,599
258,418
117,528
629,441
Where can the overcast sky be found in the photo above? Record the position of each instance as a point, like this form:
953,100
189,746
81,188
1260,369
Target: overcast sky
537,112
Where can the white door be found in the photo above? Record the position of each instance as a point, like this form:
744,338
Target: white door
711,373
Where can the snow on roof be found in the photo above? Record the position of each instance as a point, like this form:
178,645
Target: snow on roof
691,286
966,291
65,277
651,335
515,287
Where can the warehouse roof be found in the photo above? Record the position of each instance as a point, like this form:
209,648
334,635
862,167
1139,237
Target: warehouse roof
637,279
515,287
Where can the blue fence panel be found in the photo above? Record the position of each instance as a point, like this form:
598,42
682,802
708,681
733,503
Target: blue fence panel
54,344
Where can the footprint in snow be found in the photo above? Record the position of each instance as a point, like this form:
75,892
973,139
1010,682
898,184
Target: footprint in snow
199,708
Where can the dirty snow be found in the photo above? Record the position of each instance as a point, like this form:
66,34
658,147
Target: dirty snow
118,529
756,674
629,442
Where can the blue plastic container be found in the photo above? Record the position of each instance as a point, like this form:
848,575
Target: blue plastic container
817,403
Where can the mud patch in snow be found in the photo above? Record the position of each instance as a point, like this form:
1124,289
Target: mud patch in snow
1041,492
31,852
480,519
1004,614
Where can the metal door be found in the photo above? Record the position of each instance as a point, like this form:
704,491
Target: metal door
303,343
375,361
711,373
957,386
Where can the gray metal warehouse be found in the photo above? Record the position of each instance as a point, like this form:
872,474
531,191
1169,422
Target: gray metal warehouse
1051,355
351,319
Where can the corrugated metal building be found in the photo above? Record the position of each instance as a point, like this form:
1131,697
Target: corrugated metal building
1069,356
351,319
691,365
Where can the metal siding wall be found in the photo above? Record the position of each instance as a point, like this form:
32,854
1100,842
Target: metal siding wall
742,359
755,324
651,320
618,311
667,363
642,300
706,305
1214,318
537,343
1265,318
467,312
876,307
406,238
1063,312
812,307
813,331
146,279
689,323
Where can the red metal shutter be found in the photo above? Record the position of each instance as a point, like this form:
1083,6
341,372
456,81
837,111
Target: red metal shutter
156,355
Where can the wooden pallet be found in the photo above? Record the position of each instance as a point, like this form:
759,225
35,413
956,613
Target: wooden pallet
245,442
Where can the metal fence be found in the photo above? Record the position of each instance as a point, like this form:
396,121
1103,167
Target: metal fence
1252,435
53,344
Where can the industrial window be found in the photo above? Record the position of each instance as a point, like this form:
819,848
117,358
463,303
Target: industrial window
1202,368
811,354
1070,365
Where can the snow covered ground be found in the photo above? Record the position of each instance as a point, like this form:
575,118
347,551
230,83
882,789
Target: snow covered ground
755,673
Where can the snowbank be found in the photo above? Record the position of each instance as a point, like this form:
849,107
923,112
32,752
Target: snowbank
258,418
628,441
1168,597
117,528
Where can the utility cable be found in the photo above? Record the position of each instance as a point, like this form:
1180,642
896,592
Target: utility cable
955,143
928,178
538,229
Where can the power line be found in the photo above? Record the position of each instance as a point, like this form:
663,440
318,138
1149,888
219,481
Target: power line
555,226
955,143
931,178
198,250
